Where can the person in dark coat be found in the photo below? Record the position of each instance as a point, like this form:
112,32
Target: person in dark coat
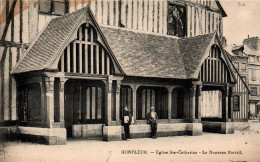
152,119
127,119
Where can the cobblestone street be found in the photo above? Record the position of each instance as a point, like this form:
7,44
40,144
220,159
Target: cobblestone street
241,146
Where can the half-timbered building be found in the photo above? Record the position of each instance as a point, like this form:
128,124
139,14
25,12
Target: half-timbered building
71,67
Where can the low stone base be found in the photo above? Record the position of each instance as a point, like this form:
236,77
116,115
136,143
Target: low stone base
87,130
241,126
49,136
112,133
195,129
54,136
165,130
8,133
227,128
219,127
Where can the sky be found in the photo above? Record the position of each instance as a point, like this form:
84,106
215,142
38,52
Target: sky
243,19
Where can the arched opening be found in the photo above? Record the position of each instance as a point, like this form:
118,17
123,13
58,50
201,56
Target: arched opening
84,103
148,97
126,99
29,102
180,99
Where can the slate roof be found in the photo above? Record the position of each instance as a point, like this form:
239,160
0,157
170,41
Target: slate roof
151,55
42,51
139,54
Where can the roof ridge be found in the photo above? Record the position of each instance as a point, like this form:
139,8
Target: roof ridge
139,31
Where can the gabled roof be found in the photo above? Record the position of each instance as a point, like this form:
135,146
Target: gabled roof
193,49
43,53
153,55
42,50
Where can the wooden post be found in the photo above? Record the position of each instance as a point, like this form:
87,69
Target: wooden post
200,102
169,103
226,103
108,102
231,103
134,89
49,84
118,101
43,111
61,91
192,102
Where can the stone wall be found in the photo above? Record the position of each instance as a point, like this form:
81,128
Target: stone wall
87,130
241,126
218,127
50,136
164,130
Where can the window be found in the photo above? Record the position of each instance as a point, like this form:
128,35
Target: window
236,64
58,7
253,91
243,67
236,103
253,76
176,20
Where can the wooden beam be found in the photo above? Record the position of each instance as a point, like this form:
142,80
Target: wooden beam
129,14
97,59
108,65
117,13
143,103
161,17
135,14
86,59
93,106
150,16
111,12
92,54
62,62
165,6
61,97
145,18
105,12
103,61
74,57
80,57
99,11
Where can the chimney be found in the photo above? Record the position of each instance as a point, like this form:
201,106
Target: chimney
254,42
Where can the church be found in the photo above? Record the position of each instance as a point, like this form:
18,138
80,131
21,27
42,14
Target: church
68,69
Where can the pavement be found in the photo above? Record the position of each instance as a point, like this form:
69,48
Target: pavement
241,146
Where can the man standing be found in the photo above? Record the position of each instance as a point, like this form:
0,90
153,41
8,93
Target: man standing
127,122
152,120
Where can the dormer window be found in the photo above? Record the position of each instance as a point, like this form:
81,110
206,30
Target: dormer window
177,20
